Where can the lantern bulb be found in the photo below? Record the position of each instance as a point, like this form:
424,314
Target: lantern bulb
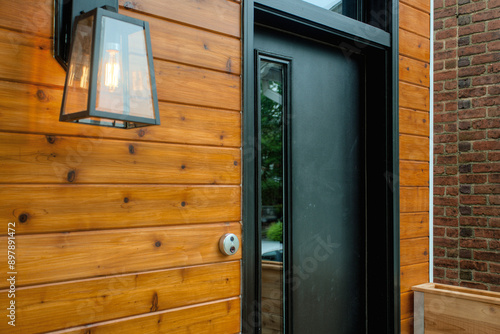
112,67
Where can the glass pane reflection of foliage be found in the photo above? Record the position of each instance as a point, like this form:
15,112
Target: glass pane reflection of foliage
272,141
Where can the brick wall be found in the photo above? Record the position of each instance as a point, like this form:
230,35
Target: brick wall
466,143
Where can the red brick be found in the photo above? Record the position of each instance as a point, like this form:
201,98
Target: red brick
446,263
485,15
494,25
487,210
494,178
493,156
438,211
485,58
446,242
452,232
471,8
451,211
472,179
445,75
452,191
438,272
485,37
486,168
472,113
472,199
439,231
451,106
446,159
487,278
451,274
473,243
447,33
448,138
494,68
487,123
495,222
472,135
487,189
494,244
487,256
442,221
446,180
473,285
487,233
471,50
473,265
495,268
494,90
472,157
471,92
451,43
450,85
445,96
486,145
451,148
494,134
473,221
493,46
448,12
471,29
438,191
448,117
438,107
449,54
445,201
486,80
471,71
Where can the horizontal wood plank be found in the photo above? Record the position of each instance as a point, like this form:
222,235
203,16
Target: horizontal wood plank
217,15
53,208
185,44
414,20
414,251
38,112
197,86
413,148
54,159
29,58
414,225
57,257
413,97
414,46
414,199
407,305
414,122
414,274
407,326
59,306
414,173
29,16
424,5
414,71
215,317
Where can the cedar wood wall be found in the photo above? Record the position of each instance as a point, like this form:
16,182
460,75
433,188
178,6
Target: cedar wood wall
116,228
414,51
115,224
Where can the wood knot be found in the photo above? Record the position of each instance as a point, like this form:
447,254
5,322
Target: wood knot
131,149
141,133
71,176
236,163
51,139
183,167
125,200
23,217
158,244
154,303
183,204
40,94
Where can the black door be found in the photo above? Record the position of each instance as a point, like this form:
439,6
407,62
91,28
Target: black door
311,110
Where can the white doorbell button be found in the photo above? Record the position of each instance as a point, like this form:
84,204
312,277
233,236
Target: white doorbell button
229,244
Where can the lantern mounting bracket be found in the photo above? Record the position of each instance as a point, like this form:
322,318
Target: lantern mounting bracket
66,12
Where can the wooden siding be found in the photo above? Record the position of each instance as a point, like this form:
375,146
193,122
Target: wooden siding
118,230
414,77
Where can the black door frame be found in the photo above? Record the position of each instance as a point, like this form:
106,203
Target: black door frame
381,48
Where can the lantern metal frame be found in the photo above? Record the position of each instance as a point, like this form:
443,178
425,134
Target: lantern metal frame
109,119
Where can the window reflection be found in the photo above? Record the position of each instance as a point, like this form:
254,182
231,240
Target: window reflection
271,176
331,5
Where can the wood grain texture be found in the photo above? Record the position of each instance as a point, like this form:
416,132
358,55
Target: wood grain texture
414,225
424,5
414,199
449,314
180,43
414,274
272,295
218,15
414,173
414,20
407,326
414,251
414,71
414,46
407,305
413,97
414,122
37,111
28,58
55,159
36,16
52,208
415,148
59,306
214,317
196,86
57,257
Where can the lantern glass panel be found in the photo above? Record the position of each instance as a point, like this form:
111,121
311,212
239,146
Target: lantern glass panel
123,79
77,78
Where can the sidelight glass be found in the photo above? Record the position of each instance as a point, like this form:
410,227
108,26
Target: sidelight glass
272,221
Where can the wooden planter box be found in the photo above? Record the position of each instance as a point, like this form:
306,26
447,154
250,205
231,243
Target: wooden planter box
449,309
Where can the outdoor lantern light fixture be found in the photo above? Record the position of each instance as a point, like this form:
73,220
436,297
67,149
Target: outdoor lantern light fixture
110,76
